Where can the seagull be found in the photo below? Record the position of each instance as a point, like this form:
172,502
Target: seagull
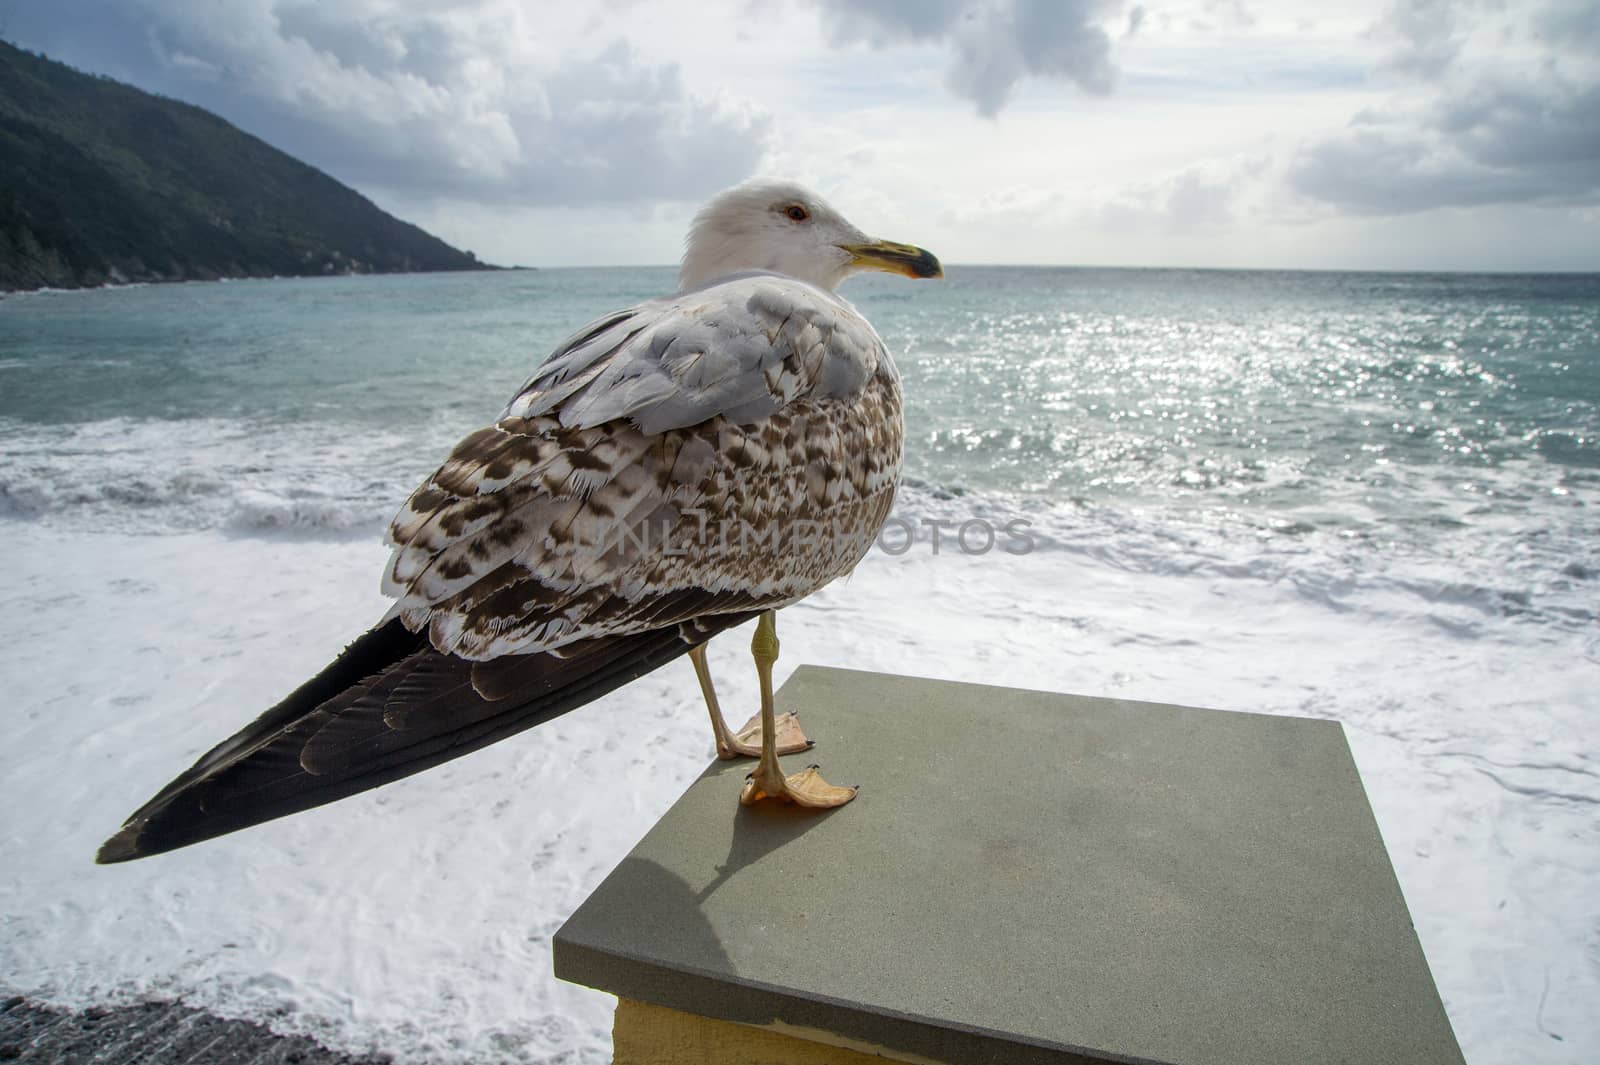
671,471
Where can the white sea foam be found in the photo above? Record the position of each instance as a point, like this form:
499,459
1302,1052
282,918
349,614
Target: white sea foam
146,476
417,918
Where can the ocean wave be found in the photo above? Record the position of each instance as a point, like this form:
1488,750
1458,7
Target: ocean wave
146,477
1465,574
182,504
260,512
152,477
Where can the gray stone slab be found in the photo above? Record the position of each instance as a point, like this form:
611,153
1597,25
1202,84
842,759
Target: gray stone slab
1031,877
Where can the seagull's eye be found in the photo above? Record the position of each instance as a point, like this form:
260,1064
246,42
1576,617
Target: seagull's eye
796,213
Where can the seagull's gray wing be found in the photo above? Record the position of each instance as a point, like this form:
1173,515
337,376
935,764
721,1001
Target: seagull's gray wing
740,349
582,511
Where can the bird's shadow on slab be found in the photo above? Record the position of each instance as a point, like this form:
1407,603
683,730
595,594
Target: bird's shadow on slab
676,922
759,830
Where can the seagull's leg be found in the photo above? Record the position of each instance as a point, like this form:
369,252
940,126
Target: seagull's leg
806,788
746,743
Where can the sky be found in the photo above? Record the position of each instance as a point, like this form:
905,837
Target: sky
1413,134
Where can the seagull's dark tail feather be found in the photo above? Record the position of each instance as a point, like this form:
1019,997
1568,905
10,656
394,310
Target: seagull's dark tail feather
389,706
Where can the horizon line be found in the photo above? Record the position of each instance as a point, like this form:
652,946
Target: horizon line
1488,271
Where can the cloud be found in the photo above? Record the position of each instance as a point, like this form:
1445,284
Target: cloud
1222,15
1426,36
1203,197
1385,171
992,44
1197,197
1496,106
886,23
423,99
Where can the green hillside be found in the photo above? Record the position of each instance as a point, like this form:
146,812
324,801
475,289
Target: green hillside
102,182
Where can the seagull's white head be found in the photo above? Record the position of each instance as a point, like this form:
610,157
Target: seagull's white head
782,227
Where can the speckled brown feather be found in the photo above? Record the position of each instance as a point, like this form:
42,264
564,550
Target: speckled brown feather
552,526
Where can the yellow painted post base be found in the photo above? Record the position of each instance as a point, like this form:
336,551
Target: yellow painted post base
654,1035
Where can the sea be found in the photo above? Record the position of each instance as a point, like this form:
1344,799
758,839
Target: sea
1367,497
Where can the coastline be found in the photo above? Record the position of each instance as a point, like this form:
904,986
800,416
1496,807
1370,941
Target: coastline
142,282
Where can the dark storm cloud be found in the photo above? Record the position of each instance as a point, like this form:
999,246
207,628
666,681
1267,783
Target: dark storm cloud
449,100
992,44
1516,120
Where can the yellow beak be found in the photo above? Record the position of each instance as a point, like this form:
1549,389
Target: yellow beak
907,259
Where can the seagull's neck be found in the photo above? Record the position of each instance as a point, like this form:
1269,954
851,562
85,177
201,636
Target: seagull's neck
743,275
709,260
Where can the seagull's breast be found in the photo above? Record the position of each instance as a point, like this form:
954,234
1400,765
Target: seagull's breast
797,499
